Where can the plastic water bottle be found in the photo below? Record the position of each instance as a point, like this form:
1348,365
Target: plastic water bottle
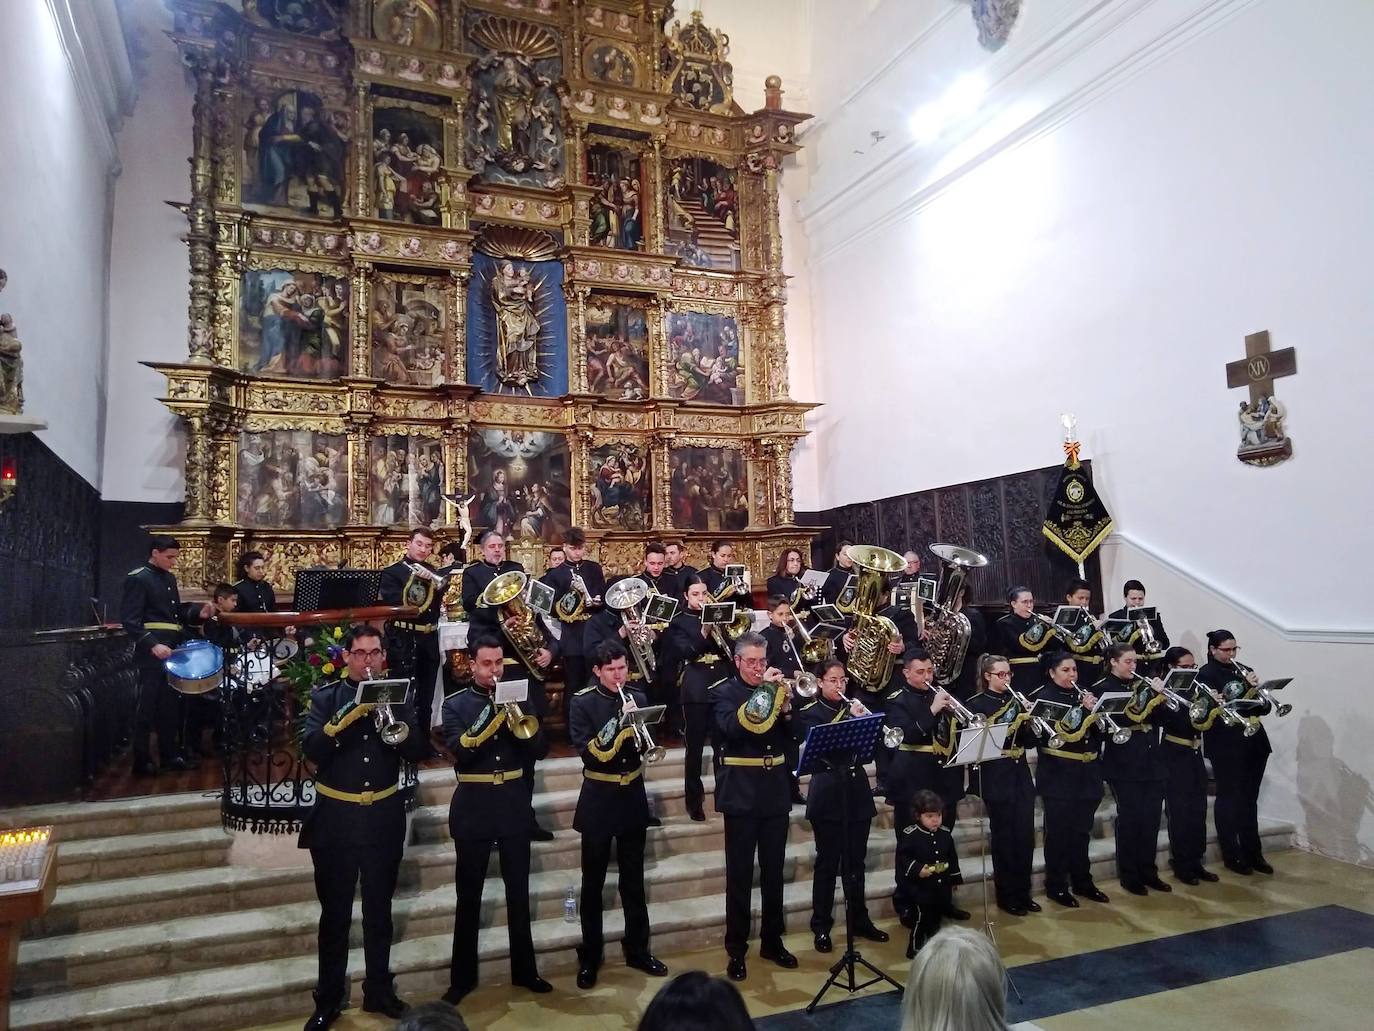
570,906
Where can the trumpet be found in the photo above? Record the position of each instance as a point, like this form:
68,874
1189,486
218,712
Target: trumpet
961,713
391,730
521,724
1280,708
580,586
644,741
805,685
1175,701
1120,734
1038,723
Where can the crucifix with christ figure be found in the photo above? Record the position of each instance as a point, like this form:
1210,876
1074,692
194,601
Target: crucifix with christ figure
1262,438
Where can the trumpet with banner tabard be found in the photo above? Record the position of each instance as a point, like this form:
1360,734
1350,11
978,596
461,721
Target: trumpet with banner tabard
948,630
644,741
506,593
391,730
625,596
1259,691
422,584
1038,723
870,662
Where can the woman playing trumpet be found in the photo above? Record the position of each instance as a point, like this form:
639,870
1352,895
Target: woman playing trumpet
1238,759
783,655
1023,636
824,807
786,581
1068,777
1185,783
704,658
1006,787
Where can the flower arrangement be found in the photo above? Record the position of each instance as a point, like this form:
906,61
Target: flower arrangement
320,659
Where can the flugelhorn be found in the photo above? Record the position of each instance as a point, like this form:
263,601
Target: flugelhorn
644,741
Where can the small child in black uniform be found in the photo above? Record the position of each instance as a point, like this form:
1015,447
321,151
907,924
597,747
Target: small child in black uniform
929,865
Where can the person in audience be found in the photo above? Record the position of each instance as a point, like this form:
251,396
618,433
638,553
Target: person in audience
696,1001
928,864
432,1016
957,983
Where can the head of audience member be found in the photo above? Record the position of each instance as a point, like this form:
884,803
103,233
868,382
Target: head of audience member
957,983
432,1016
1134,593
420,545
696,1001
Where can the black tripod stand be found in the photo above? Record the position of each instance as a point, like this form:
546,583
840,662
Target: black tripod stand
840,748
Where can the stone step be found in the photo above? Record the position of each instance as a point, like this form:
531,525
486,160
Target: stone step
130,855
75,821
266,991
203,939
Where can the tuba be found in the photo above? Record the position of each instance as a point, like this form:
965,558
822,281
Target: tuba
625,596
870,663
506,593
948,629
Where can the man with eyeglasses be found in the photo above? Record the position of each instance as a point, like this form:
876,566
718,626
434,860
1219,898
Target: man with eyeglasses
825,805
357,827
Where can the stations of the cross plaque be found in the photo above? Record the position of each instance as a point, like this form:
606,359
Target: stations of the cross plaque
1262,437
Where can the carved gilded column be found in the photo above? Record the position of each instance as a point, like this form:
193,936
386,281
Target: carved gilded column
659,446
782,482
656,229
455,470
577,298
775,291
200,236
362,170
658,348
578,164
228,266
197,463
223,455
358,510
227,140
360,330
582,480
458,338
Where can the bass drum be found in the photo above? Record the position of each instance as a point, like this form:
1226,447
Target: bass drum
195,668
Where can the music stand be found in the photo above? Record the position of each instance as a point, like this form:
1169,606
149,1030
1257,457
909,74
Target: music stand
840,748
975,745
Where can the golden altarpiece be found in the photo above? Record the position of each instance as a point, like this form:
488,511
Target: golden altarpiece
520,255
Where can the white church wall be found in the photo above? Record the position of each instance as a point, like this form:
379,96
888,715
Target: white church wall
149,274
1140,186
54,231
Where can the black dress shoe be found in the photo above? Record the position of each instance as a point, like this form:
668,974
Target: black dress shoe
955,913
325,1014
697,815
650,964
586,977
1064,898
1261,866
869,932
1236,866
1155,884
778,954
388,1005
1207,875
1094,893
797,798
1134,889
823,943
538,833
457,993
654,821
1014,908
735,969
1186,878
1031,906
534,983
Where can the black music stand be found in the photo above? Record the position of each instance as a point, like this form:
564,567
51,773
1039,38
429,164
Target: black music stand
840,748
335,589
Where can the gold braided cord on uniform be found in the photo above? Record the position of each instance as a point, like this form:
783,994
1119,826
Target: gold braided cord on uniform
1144,714
352,716
763,727
470,740
617,743
1076,735
1035,646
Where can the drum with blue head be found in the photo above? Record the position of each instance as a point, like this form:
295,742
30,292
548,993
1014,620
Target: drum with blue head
197,667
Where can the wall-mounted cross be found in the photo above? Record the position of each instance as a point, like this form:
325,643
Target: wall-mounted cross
1261,366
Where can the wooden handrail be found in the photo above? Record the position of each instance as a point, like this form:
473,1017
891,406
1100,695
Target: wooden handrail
337,616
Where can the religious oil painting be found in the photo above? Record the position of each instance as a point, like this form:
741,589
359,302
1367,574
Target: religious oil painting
521,482
318,18
514,127
407,23
610,63
517,327
405,480
407,165
702,213
704,358
621,498
295,148
709,488
617,341
292,478
409,326
293,324
617,206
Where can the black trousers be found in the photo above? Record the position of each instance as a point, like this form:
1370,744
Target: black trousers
629,861
471,871
578,671
1011,839
1068,828
903,816
160,710
929,916
699,728
337,872
745,836
416,656
830,862
1185,797
1139,806
1236,812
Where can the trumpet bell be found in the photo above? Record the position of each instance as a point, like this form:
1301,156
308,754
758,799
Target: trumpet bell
394,733
654,754
893,736
1251,729
626,594
1284,709
1121,736
1057,742
806,685
504,589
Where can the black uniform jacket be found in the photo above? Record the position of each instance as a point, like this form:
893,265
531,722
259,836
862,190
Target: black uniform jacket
911,770
675,580
1022,641
918,848
605,625
560,579
782,651
606,807
713,578
255,596
1156,625
1058,776
834,583
476,733
350,755
151,596
1221,741
703,662
999,780
476,577
1139,759
391,589
823,800
790,587
755,731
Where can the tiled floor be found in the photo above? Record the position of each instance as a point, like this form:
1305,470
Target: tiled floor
1331,992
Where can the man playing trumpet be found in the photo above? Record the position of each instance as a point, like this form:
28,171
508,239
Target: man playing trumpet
612,808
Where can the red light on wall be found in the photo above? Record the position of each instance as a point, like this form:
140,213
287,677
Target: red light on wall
9,472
